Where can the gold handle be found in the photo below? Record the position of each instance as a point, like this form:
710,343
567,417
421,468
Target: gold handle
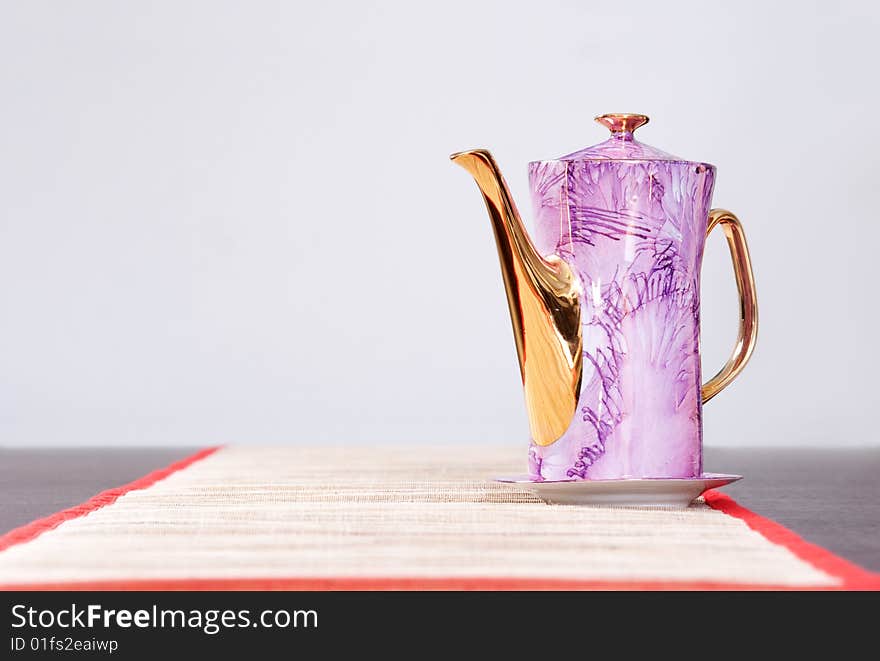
748,302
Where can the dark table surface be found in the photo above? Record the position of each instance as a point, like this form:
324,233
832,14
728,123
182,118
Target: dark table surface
829,497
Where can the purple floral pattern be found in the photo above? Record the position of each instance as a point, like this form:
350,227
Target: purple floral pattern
631,222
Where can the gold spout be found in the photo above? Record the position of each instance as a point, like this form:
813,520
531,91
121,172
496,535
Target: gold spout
543,295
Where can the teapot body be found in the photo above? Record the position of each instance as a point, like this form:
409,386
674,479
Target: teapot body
604,301
633,232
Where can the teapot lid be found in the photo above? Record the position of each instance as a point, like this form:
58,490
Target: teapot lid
621,146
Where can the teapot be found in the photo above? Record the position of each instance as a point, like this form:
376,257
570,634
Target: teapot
604,299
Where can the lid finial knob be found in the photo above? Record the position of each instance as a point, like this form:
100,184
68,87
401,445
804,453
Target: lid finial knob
622,125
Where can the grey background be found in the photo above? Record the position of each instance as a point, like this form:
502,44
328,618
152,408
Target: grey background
236,222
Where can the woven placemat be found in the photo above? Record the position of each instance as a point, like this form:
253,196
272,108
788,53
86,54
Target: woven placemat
391,518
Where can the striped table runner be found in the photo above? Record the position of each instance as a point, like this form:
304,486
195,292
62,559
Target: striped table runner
396,518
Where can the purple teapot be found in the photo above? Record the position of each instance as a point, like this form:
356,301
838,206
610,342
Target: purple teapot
605,305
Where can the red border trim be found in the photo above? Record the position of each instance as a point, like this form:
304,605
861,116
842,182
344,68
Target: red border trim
36,528
404,583
851,576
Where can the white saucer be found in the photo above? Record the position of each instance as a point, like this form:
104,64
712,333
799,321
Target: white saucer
652,492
